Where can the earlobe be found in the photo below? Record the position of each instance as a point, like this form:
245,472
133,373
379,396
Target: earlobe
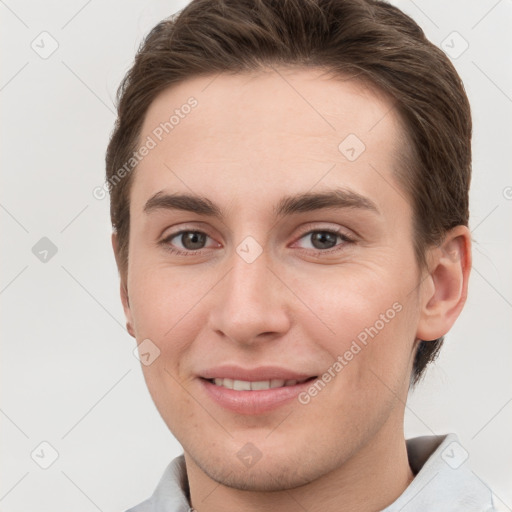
445,289
127,310
123,288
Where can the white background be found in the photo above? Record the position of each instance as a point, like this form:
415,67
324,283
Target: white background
68,373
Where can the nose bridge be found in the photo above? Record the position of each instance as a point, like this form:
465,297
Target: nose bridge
249,302
248,280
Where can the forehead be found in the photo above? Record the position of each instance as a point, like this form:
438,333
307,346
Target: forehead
259,133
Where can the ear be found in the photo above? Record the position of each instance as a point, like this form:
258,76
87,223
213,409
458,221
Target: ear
123,287
445,288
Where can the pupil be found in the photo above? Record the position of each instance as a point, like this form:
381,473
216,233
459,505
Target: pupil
193,240
321,238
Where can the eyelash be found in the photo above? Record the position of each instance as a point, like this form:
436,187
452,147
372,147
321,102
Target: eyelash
345,239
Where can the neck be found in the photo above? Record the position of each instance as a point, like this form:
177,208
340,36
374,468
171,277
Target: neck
370,480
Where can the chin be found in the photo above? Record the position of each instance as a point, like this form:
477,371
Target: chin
274,471
265,478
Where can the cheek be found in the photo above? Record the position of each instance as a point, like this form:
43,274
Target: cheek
350,300
163,308
369,352
166,304
364,320
160,297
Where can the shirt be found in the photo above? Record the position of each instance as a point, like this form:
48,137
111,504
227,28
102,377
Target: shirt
442,482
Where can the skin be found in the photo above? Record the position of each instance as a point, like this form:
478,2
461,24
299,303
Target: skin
251,140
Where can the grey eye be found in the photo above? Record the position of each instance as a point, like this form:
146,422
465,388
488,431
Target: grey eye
323,239
192,240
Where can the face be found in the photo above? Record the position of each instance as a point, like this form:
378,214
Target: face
290,259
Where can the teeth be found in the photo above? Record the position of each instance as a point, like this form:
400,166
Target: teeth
277,383
261,384
244,385
241,385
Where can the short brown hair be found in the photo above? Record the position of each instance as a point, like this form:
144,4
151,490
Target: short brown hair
367,39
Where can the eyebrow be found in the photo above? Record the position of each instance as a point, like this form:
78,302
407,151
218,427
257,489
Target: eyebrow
306,202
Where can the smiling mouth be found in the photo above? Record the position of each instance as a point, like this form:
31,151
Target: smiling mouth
244,385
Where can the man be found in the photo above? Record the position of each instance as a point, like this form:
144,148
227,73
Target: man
289,195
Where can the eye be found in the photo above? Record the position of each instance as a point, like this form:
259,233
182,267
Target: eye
324,240
191,242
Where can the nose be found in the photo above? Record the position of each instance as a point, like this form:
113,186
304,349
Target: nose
250,303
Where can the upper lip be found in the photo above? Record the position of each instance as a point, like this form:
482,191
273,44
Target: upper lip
253,374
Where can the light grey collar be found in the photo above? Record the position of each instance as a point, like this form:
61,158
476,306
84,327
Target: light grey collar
443,482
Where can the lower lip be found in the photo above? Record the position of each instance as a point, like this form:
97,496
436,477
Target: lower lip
253,402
